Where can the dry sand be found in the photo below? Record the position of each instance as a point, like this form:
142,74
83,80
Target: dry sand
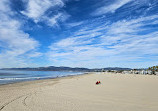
117,92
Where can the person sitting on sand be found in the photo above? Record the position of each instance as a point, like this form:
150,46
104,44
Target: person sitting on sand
98,82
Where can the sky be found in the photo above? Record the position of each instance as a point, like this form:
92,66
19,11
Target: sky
79,33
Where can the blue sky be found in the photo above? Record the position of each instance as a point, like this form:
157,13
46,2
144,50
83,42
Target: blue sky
79,33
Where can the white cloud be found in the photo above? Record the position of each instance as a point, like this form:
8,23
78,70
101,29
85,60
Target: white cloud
54,21
15,43
110,8
4,8
37,8
74,24
110,44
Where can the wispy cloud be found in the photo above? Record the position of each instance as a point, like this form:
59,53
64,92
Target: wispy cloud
74,24
111,8
14,42
56,19
36,10
114,43
126,35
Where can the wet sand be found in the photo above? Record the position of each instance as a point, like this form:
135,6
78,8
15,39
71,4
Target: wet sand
117,92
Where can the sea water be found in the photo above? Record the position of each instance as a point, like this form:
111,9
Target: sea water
12,76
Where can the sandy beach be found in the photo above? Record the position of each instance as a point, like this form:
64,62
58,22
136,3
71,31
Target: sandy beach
117,92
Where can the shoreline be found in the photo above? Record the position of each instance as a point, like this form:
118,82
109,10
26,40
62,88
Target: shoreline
45,79
68,76
29,80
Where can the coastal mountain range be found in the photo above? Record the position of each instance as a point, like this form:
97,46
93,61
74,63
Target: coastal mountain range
63,68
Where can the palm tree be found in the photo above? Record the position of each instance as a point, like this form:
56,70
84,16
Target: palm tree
156,68
149,68
153,69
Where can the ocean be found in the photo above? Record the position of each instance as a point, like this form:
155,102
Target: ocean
12,76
